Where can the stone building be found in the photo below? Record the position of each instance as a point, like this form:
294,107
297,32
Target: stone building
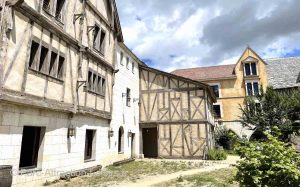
72,97
125,121
232,83
57,77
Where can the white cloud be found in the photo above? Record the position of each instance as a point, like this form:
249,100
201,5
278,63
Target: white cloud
181,34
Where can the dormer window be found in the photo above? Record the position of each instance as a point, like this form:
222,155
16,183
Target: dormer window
250,69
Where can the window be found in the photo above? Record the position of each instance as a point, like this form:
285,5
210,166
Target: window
255,108
52,63
96,83
128,97
55,8
43,59
252,88
215,89
121,140
46,5
102,41
33,54
31,144
127,62
59,7
121,58
99,39
40,62
89,152
250,69
217,110
132,67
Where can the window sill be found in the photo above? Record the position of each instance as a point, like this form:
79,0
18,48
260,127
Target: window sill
120,153
95,93
43,75
98,52
251,77
89,160
53,18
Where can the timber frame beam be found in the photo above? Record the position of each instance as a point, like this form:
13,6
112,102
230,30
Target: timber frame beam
40,102
53,28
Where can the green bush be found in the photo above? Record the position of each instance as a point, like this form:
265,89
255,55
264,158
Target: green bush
226,138
268,163
216,154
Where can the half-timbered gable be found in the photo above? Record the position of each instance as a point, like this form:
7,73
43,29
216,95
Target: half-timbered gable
179,109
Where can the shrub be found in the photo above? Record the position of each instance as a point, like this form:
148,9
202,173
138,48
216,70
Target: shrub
226,138
268,163
216,154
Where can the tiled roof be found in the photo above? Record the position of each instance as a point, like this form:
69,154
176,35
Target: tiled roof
283,72
206,73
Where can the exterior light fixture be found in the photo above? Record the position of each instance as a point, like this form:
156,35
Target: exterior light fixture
82,83
110,132
124,94
71,131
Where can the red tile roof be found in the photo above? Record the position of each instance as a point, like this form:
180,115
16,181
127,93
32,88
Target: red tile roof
207,73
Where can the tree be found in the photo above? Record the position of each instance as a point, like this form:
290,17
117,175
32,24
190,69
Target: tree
268,163
273,110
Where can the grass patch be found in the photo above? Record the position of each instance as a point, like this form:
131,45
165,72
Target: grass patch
129,172
218,178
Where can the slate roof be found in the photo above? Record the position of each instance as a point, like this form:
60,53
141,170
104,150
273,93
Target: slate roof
207,73
283,72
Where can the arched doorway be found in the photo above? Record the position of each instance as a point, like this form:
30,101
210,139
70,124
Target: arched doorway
121,140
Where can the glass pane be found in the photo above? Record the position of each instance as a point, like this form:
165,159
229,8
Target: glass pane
247,69
249,89
217,111
256,88
215,89
253,68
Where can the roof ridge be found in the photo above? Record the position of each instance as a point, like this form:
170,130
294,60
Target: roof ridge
279,58
203,67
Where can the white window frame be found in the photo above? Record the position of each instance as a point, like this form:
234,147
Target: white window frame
252,81
221,109
216,84
257,73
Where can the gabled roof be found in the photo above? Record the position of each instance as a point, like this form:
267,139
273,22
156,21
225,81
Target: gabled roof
207,73
183,78
283,72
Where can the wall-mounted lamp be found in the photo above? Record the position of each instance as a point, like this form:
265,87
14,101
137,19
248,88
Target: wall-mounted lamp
110,132
78,16
124,94
80,83
71,131
129,133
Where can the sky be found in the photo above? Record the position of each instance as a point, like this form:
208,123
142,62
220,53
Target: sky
174,34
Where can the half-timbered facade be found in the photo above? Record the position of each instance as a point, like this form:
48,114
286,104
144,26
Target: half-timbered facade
57,73
175,115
